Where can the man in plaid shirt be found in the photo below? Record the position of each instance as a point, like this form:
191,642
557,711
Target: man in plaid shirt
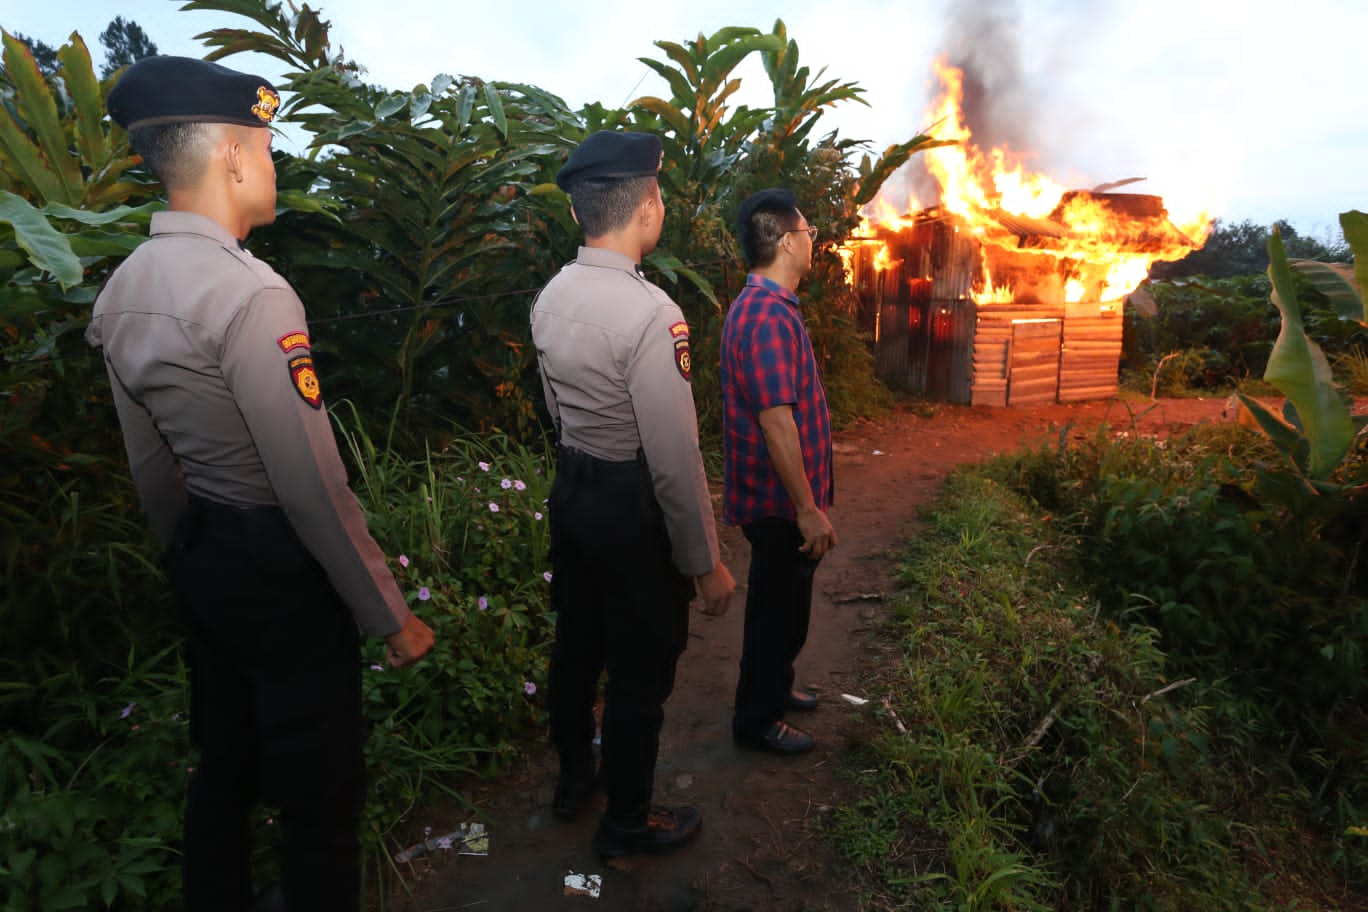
777,449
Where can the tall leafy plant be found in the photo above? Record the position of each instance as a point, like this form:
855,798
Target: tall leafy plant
420,268
800,100
703,134
70,209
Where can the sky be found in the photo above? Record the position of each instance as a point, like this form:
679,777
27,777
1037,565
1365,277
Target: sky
1250,109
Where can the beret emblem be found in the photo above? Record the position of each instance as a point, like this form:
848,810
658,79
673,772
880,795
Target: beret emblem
267,102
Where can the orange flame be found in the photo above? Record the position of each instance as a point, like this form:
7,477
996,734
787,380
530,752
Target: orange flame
1104,244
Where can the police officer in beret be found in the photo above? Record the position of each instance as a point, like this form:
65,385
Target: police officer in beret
210,365
632,528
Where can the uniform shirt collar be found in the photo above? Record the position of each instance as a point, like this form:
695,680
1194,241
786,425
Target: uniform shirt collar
178,222
611,259
755,280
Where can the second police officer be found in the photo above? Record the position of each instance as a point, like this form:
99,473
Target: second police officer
632,527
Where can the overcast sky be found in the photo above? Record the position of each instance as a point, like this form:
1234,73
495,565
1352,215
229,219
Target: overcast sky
1253,108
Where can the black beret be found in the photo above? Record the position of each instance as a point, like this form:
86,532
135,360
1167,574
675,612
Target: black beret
165,90
612,155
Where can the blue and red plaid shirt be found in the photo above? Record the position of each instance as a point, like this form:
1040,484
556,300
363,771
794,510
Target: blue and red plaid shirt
767,361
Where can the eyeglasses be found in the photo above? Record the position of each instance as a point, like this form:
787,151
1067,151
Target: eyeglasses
811,232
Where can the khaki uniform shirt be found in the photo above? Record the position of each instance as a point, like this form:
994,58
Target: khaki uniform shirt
614,354
209,360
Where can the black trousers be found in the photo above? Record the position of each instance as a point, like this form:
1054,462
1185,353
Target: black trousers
778,608
275,710
621,608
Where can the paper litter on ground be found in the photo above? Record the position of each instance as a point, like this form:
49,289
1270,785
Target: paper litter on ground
583,885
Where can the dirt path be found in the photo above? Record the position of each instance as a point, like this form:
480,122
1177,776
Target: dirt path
762,844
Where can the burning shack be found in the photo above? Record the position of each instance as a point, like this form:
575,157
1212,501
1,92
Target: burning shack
1008,309
1009,289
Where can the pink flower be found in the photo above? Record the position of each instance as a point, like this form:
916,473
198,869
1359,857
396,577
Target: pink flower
493,507
424,594
403,560
519,485
127,710
536,516
483,603
529,688
505,484
547,576
484,466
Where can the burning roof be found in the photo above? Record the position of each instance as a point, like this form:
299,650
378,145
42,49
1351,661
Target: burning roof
1118,235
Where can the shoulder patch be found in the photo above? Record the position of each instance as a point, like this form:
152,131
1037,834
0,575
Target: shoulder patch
292,340
683,360
679,329
305,380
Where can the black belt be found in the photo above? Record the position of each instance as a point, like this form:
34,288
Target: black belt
203,513
577,462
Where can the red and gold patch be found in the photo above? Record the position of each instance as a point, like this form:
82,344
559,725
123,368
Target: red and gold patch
683,360
679,329
290,341
305,381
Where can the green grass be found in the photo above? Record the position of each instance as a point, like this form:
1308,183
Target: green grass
1055,756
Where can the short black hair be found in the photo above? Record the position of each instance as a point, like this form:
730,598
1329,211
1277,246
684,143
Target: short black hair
603,205
174,151
761,222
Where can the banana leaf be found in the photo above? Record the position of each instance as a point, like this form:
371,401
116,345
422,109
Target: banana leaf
1355,227
1298,368
1336,281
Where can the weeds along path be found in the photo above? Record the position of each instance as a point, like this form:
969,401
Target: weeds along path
763,844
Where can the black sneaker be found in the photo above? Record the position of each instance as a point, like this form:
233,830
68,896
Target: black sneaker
665,830
572,794
780,738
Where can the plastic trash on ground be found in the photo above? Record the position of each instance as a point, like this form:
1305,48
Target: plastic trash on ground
468,839
854,700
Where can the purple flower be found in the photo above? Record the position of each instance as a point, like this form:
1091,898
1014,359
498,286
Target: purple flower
377,668
403,560
484,467
547,576
424,594
519,485
493,507
505,484
483,603
529,688
127,710
536,516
